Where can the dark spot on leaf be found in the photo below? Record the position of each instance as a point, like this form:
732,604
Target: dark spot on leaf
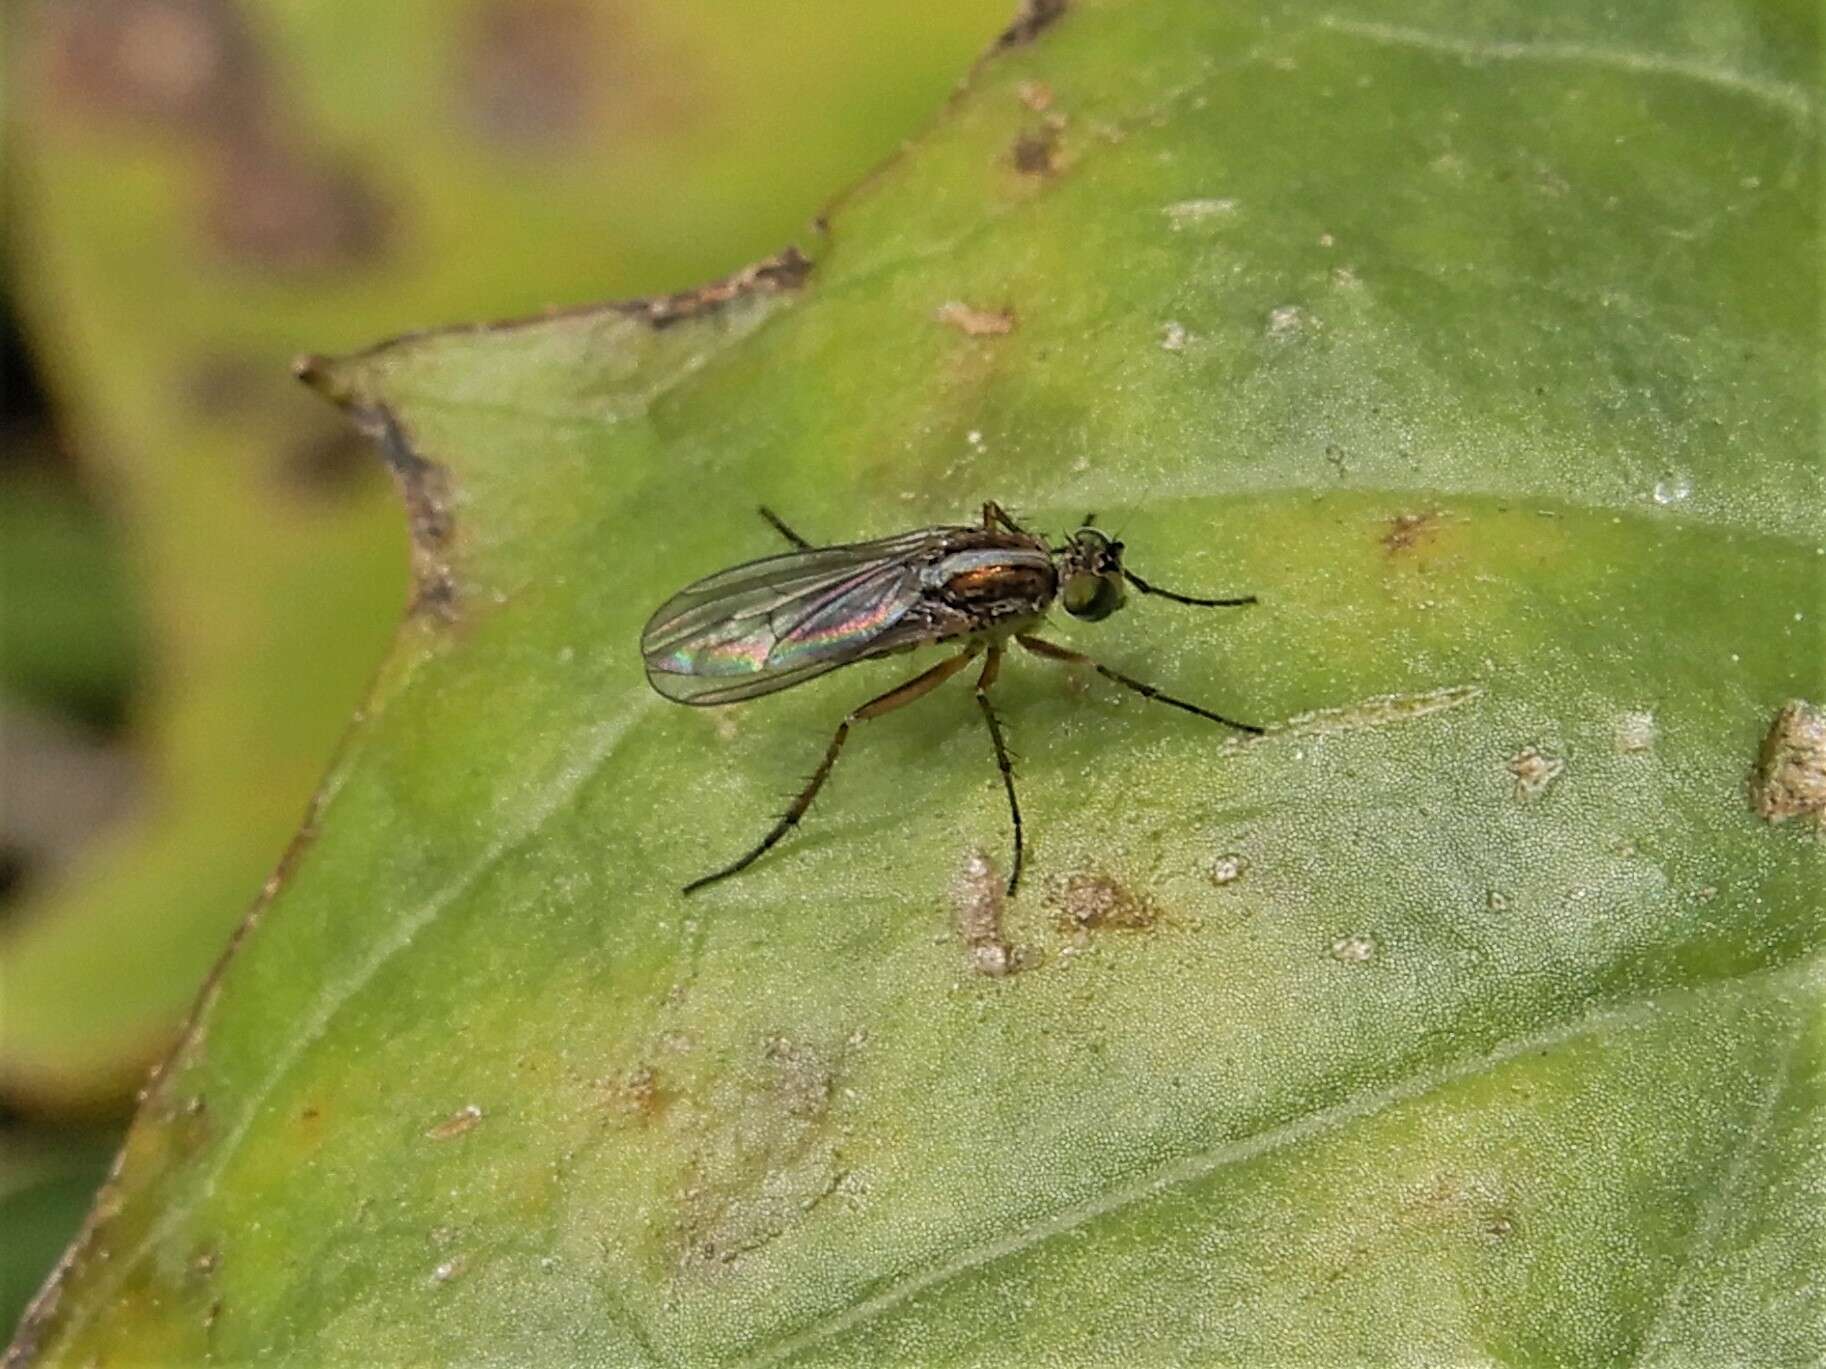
1407,530
223,385
78,783
292,211
1790,778
14,873
318,458
1034,18
326,466
1094,902
190,65
1035,152
528,77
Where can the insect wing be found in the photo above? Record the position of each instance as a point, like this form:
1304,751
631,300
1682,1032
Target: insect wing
772,624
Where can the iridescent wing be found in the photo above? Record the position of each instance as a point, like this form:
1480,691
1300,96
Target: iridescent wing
772,624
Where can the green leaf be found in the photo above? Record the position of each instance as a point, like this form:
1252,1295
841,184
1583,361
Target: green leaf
1472,1014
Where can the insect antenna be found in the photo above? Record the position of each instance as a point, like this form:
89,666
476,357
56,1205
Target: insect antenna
1146,588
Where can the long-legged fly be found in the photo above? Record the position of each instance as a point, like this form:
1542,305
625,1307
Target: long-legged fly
778,622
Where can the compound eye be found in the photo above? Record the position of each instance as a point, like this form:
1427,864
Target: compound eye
1092,597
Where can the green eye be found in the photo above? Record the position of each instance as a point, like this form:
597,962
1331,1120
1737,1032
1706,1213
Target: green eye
1092,596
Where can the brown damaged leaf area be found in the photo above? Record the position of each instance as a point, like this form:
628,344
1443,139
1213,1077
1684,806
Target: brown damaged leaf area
293,210
272,202
424,488
1035,18
783,273
1035,151
425,485
1790,779
639,1094
185,64
549,77
1036,95
529,77
464,1119
1092,901
1408,530
974,322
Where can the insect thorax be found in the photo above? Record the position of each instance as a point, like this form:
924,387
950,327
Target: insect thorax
990,589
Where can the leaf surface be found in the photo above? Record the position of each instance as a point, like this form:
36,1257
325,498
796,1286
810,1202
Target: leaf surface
1470,1015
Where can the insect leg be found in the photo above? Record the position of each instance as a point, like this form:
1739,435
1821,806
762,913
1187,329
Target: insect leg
983,681
779,526
1146,588
994,514
923,683
1053,651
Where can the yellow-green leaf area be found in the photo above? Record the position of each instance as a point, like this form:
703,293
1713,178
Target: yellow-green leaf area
1470,1015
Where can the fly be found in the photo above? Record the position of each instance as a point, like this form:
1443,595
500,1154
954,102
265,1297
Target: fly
771,624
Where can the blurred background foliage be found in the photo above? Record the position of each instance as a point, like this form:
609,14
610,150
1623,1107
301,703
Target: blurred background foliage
200,563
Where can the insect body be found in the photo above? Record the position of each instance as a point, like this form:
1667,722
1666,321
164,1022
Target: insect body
775,623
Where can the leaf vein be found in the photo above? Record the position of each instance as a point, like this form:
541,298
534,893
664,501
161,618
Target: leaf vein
1790,99
1719,1200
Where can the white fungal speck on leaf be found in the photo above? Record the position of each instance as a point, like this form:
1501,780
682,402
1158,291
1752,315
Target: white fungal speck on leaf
1354,949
